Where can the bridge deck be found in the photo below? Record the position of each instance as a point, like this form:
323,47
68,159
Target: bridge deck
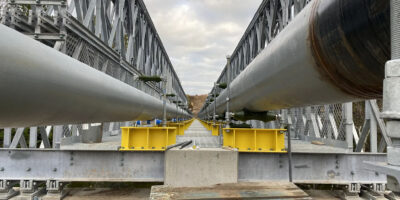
201,138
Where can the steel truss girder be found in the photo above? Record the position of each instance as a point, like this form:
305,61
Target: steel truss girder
105,25
270,19
116,166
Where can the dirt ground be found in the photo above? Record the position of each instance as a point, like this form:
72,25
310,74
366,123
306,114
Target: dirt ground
196,102
144,193
107,193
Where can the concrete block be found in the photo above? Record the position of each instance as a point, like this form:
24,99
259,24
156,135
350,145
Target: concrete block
201,167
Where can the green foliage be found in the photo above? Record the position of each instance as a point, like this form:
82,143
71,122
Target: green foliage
232,125
222,85
150,78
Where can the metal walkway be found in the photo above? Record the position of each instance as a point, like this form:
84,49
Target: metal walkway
200,135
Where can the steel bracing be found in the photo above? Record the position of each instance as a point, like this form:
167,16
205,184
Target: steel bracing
114,37
271,42
332,123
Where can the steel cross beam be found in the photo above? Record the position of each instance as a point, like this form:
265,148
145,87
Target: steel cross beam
111,166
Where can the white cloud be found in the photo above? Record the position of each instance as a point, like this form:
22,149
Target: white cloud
198,34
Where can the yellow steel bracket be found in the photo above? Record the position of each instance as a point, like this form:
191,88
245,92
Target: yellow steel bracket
147,138
179,127
215,128
255,140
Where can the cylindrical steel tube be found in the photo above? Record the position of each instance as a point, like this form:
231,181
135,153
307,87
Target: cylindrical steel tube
333,51
41,86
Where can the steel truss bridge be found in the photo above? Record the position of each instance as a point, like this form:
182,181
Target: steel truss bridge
119,42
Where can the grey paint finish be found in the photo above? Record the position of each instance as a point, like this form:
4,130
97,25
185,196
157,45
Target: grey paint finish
116,166
42,86
310,168
82,165
271,68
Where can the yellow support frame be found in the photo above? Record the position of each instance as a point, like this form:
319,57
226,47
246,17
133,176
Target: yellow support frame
215,129
147,138
255,140
187,124
179,127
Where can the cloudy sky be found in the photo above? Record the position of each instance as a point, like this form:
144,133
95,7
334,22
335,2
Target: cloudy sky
198,34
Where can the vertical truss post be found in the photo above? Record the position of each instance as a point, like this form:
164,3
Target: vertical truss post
373,130
348,115
57,135
32,137
215,102
228,83
7,138
164,121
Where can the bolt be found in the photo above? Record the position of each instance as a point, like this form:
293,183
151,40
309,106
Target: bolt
352,173
376,174
28,170
2,169
55,169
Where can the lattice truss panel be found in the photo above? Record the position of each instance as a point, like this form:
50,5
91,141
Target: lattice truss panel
328,122
116,37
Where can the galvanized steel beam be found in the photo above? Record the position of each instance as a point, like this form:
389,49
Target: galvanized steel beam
111,166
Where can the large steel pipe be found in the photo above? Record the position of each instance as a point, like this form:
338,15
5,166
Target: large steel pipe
41,86
333,51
